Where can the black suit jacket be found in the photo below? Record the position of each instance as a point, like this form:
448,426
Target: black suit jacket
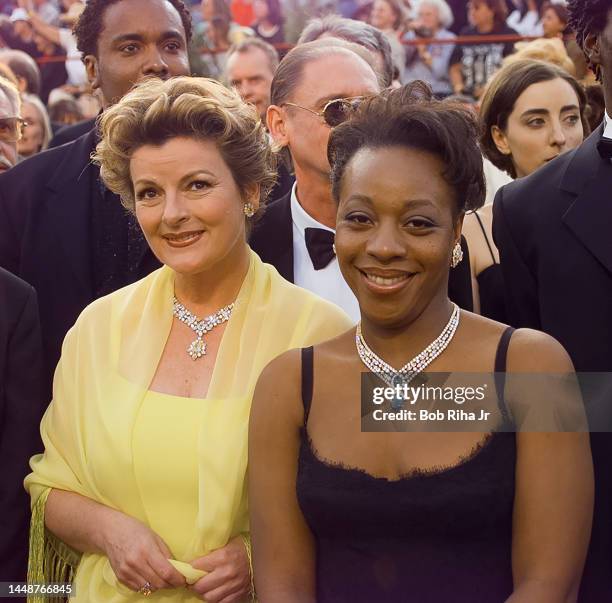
553,230
45,236
272,240
21,408
69,133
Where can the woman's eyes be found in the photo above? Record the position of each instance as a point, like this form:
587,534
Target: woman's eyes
199,185
146,194
414,223
572,119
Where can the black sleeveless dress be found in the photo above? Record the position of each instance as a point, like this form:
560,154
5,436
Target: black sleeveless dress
435,537
491,285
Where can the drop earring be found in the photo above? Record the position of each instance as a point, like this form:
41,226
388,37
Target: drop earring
457,255
249,210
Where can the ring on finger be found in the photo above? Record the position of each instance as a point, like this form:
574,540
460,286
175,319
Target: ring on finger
146,590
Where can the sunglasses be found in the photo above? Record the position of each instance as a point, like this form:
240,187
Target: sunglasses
335,111
11,129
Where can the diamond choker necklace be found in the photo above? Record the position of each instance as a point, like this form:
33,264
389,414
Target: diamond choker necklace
411,369
197,349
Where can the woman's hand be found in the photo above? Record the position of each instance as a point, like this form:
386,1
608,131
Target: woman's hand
229,574
137,554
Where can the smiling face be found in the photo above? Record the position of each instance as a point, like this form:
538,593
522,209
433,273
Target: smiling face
139,39
396,227
544,123
188,205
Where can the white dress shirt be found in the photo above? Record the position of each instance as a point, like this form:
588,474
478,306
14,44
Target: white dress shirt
328,282
608,126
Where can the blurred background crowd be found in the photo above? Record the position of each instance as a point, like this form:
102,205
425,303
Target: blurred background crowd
38,50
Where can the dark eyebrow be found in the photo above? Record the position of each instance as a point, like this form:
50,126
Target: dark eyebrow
546,112
172,34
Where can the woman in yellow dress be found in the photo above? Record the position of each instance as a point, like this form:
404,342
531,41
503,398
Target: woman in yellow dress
141,488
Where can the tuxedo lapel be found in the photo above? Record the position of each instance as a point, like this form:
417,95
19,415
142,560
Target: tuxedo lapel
589,177
272,238
68,206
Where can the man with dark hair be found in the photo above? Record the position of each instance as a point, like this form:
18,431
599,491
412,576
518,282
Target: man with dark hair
553,233
356,32
61,230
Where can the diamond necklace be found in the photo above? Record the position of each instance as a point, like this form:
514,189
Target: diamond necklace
411,369
197,349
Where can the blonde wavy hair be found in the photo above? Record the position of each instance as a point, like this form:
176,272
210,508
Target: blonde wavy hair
543,49
156,111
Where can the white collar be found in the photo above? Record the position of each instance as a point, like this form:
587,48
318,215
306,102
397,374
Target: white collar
608,126
301,218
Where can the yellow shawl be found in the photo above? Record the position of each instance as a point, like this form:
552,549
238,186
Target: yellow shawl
108,361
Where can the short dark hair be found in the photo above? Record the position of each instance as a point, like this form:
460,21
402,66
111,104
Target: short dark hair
354,31
23,66
89,25
249,43
502,93
588,17
410,117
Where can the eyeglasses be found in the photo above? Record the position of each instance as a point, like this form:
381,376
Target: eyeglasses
11,129
335,111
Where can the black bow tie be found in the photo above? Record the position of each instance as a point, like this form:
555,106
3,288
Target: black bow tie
319,243
604,146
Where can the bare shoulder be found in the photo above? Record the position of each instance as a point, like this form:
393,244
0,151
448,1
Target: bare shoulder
278,389
532,351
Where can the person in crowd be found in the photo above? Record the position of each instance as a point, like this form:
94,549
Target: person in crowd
357,32
431,62
61,229
21,393
388,17
525,18
25,68
65,112
552,231
472,65
555,17
64,38
531,113
16,32
212,40
250,68
549,50
11,124
37,132
313,89
268,24
429,514
193,162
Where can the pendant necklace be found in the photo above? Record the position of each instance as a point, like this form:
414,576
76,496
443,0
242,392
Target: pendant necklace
411,369
197,349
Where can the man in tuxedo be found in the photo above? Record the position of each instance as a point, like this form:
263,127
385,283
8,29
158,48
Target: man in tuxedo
61,230
553,234
296,232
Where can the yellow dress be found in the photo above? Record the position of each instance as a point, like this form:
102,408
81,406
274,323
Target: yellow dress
179,465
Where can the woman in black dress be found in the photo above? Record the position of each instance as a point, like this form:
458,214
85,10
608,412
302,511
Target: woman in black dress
476,513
